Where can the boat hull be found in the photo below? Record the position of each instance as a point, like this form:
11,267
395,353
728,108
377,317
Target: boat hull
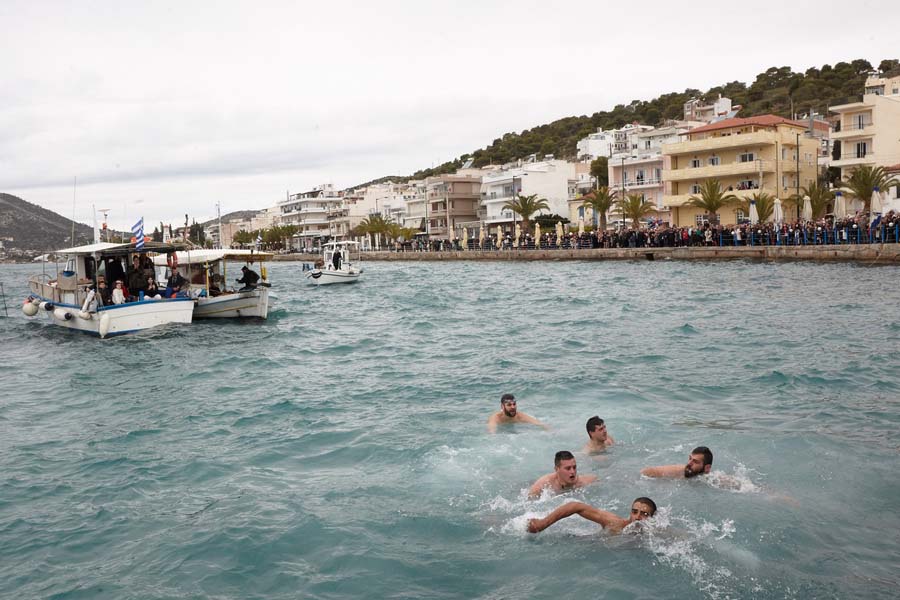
326,277
120,319
252,304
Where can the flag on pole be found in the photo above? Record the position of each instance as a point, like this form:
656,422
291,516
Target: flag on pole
137,230
258,239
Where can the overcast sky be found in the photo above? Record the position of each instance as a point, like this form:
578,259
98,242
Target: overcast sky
166,108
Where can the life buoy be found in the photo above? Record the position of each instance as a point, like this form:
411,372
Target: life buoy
172,260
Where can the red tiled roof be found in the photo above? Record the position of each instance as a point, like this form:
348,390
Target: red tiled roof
893,169
762,120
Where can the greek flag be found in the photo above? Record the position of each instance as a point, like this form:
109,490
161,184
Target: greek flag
258,239
137,230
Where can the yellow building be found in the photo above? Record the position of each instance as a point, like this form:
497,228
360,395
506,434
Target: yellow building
747,156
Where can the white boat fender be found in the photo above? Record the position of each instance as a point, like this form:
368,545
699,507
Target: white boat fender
29,308
87,303
62,314
104,324
48,306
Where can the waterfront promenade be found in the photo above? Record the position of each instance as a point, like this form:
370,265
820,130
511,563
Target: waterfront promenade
861,253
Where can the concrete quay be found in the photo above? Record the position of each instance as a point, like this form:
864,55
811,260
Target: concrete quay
863,253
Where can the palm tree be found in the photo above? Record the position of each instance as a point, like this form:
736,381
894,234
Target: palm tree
600,201
634,207
711,198
376,225
765,205
525,206
863,181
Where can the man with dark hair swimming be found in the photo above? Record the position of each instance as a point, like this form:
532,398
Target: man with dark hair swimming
699,463
564,476
599,439
509,413
642,508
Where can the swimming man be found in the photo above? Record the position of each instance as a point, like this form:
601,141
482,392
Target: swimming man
564,476
699,463
599,440
642,508
509,413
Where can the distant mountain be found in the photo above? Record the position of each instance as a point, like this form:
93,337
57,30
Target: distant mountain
28,227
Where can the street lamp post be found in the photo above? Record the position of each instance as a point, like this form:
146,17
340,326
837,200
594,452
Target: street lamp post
622,199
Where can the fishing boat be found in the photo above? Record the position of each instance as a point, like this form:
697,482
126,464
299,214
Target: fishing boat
339,264
71,298
207,274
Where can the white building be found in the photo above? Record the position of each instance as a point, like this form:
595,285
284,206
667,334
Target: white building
552,180
309,212
599,143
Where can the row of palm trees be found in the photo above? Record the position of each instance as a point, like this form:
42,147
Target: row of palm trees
712,198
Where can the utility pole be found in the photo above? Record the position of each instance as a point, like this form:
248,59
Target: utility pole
219,217
797,182
622,199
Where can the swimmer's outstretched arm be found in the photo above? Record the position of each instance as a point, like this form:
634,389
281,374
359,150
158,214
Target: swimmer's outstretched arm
535,490
606,519
673,471
492,424
529,419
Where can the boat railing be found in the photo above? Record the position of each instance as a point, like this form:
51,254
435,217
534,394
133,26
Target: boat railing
45,287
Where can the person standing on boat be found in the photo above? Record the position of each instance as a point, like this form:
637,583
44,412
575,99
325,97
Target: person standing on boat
137,278
336,259
118,294
250,279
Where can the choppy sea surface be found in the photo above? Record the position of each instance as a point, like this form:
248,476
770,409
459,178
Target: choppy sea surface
338,450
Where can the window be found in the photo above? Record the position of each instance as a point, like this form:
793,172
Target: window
580,212
640,176
658,174
783,153
695,189
746,157
739,215
647,145
713,161
695,163
784,181
700,220
861,148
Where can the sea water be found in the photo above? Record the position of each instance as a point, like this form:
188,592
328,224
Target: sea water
339,449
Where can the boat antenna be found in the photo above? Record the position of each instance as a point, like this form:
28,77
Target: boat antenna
3,295
74,188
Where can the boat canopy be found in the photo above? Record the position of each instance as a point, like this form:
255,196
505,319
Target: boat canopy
110,249
194,257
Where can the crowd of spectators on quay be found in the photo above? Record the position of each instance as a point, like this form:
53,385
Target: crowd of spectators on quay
825,231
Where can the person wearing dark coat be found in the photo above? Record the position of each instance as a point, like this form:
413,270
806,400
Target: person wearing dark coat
174,284
250,279
336,260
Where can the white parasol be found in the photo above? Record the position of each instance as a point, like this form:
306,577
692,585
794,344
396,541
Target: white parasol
537,235
806,213
754,214
778,212
876,206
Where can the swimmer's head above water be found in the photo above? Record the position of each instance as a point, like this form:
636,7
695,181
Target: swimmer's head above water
699,462
508,405
596,429
565,467
642,508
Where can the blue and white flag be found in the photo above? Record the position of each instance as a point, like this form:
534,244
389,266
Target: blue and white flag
137,230
258,239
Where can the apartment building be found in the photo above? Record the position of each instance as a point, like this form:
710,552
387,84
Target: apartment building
696,109
309,212
599,143
450,201
746,155
866,132
639,170
414,198
556,181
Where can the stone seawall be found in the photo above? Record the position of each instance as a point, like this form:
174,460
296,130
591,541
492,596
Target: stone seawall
865,253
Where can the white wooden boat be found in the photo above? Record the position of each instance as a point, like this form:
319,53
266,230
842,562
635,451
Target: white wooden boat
208,273
343,269
68,297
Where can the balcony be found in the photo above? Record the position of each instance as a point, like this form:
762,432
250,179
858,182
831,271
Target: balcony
853,158
719,171
682,199
498,200
743,140
638,184
854,129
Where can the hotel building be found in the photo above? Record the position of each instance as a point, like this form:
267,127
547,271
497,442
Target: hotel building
746,155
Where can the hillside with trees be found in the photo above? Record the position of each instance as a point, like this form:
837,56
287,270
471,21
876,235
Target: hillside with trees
778,90
28,227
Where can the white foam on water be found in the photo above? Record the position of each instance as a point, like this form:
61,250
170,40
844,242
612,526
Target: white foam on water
737,482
